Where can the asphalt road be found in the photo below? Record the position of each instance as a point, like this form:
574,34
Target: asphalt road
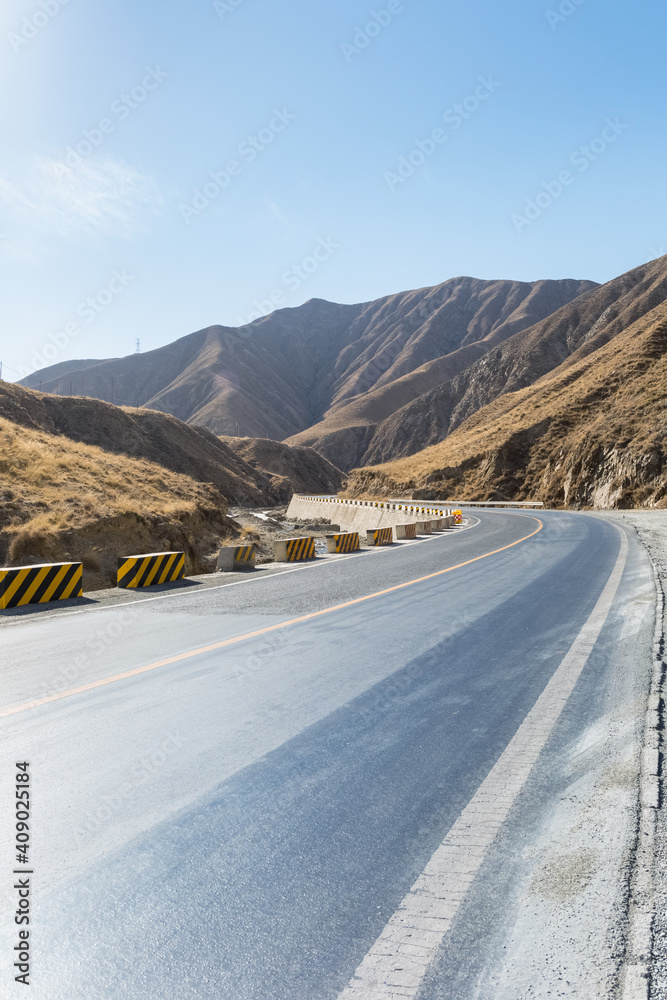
243,821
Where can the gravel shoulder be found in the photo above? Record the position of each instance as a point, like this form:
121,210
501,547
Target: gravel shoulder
651,528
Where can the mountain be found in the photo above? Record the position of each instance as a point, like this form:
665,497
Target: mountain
321,374
290,469
590,433
576,330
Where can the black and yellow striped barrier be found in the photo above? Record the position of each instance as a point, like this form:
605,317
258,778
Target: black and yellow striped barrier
40,584
294,549
406,531
347,542
380,536
237,557
149,569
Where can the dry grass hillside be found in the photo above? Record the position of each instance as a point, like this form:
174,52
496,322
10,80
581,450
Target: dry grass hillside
254,473
82,479
63,500
574,331
138,433
592,433
290,370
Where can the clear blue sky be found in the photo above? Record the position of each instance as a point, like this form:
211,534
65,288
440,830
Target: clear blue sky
332,110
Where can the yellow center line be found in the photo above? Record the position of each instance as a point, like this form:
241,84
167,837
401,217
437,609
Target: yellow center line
262,631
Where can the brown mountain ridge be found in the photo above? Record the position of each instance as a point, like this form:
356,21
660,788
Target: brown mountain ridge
590,433
322,369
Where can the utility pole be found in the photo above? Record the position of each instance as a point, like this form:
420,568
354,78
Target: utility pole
0,371
112,390
138,347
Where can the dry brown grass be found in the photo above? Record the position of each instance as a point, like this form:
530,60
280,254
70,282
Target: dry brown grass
588,434
60,499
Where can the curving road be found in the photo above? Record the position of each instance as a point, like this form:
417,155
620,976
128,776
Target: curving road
241,792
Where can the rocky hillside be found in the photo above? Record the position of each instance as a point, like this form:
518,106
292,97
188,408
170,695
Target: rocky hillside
333,369
572,332
591,433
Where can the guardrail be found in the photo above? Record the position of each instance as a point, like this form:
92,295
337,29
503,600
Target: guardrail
417,507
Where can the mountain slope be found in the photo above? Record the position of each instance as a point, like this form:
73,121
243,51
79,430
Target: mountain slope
164,440
574,331
593,432
288,371
461,320
290,469
61,500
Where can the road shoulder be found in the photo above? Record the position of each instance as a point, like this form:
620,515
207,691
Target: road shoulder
646,962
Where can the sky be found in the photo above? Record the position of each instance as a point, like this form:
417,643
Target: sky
166,166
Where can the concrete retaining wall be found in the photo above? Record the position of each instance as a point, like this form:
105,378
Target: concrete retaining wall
357,515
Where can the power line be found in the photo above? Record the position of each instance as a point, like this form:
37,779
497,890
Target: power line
12,370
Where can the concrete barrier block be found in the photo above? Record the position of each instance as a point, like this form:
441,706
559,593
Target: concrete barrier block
294,549
346,542
404,531
423,527
380,536
149,569
39,584
232,558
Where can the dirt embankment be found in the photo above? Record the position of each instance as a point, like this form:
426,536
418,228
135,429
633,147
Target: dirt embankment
61,500
83,479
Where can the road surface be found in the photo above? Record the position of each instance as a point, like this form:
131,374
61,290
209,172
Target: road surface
237,792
